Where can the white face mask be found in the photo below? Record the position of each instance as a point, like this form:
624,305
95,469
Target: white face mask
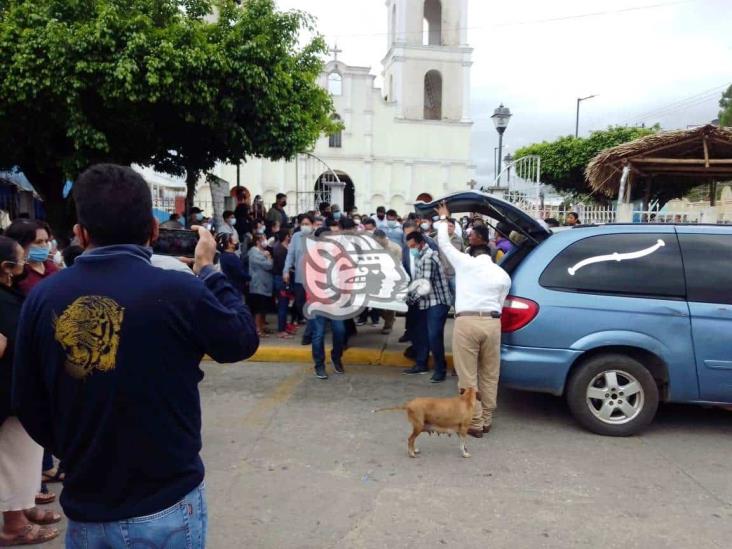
231,221
306,229
425,226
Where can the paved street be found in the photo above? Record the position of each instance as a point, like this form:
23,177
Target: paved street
297,462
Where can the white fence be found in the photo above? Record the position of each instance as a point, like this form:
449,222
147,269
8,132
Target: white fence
588,213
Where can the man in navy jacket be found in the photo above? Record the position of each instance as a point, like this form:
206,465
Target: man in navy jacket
107,369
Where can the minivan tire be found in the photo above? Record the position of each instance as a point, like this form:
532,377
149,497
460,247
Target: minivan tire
592,377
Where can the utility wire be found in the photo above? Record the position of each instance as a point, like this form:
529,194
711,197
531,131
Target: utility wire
533,21
678,105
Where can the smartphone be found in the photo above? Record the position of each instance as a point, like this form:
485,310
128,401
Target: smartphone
176,242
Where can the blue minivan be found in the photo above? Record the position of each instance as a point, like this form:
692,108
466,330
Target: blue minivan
615,318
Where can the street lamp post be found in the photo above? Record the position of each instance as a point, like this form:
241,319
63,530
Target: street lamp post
500,118
576,120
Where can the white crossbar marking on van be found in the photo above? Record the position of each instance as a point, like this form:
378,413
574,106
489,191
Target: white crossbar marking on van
616,257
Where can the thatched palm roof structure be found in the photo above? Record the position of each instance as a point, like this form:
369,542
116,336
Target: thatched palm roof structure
680,159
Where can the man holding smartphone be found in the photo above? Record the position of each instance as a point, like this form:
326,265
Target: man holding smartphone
107,369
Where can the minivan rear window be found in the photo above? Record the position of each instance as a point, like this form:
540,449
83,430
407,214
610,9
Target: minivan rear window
647,265
708,263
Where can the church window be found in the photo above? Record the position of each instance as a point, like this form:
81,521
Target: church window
335,83
433,96
335,140
432,27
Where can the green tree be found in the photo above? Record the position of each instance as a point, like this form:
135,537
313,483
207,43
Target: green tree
564,160
154,82
725,115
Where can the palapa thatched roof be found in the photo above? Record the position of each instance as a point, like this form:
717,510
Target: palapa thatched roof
697,155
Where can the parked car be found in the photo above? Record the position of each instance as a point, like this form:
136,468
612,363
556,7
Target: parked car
616,318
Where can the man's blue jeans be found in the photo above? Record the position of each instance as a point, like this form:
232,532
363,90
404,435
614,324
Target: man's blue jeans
181,526
317,328
282,304
429,335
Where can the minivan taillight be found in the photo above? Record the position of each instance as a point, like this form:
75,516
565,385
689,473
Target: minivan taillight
517,313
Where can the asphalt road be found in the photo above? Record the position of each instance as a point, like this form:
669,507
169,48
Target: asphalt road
297,462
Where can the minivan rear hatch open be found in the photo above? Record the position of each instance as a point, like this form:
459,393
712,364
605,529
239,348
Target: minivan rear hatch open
491,206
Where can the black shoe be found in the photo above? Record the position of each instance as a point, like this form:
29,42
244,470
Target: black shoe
415,370
437,379
405,338
338,367
320,373
306,341
409,352
360,322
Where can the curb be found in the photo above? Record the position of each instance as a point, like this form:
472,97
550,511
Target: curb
354,355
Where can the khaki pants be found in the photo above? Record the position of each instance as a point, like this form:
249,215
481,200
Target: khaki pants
389,317
476,351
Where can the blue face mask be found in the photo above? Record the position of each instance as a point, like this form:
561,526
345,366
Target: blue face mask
336,215
392,223
232,221
199,217
414,252
38,254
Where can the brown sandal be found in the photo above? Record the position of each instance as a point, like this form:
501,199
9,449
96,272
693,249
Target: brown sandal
44,498
30,535
39,516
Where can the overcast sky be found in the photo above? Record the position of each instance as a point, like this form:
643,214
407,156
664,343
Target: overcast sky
651,61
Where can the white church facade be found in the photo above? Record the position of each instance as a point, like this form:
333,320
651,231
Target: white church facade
408,138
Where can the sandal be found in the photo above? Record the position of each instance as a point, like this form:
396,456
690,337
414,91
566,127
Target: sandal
30,535
39,516
44,498
53,475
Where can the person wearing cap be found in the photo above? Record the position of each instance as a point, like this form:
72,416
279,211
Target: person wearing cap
481,288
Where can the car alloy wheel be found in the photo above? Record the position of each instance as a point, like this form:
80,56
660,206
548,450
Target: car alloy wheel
615,397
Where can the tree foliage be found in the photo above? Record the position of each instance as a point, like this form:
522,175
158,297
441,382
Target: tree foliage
725,103
564,160
159,83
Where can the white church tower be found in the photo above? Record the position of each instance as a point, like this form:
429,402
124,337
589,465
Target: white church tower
406,141
427,66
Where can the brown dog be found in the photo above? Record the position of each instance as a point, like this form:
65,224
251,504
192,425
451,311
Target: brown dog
439,415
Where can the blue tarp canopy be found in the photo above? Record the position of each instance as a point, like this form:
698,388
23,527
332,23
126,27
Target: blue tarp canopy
18,178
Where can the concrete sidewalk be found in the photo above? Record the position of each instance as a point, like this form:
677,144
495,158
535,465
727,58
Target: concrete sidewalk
368,346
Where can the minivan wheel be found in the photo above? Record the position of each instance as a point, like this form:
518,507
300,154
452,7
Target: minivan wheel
613,395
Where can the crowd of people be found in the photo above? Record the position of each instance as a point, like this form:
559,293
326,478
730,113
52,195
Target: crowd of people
103,373
262,254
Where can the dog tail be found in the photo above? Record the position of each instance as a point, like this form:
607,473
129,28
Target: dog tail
390,409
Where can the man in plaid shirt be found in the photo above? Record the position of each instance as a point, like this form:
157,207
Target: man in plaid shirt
429,329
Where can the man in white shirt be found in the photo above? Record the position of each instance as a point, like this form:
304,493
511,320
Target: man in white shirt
481,287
